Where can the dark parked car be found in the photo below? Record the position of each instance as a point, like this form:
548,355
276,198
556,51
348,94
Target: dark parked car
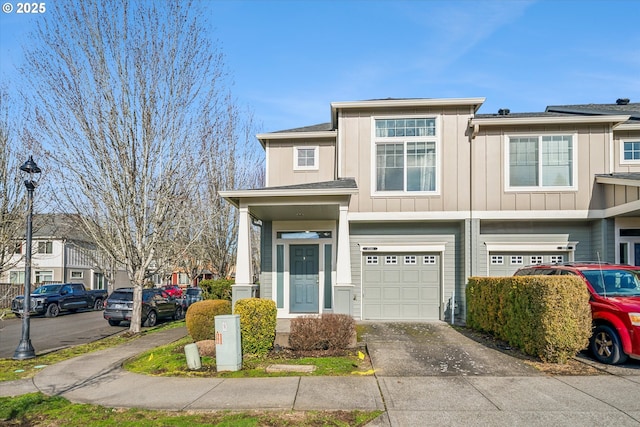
615,305
190,296
51,299
156,304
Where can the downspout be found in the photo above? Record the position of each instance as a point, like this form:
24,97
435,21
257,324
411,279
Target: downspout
611,149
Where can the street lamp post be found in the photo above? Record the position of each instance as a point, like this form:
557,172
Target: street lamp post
25,349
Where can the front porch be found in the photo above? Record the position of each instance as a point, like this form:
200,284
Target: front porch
304,241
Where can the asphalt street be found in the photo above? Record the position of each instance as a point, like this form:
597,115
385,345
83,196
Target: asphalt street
48,334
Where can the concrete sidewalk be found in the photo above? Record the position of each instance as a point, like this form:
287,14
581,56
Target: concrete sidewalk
465,400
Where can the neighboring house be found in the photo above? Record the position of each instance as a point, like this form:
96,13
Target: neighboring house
61,253
384,212
180,278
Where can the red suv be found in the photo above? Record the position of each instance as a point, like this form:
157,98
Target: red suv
615,305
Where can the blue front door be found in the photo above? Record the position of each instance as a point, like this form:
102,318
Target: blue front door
303,279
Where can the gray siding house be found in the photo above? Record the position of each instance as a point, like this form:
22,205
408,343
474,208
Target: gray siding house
61,253
384,212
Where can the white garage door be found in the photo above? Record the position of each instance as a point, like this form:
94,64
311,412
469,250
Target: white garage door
401,286
506,263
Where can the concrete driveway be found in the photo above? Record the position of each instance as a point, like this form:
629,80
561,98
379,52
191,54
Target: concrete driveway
406,349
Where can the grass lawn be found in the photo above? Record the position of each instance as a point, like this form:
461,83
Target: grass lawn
36,409
170,360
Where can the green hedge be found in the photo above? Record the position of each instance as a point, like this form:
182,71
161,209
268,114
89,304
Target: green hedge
545,316
258,319
200,318
216,289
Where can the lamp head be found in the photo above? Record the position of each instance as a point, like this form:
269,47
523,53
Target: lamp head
30,167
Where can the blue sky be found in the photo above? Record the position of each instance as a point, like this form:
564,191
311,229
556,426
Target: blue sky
291,59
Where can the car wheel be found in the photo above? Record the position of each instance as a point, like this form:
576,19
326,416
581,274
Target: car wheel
152,319
606,346
98,305
179,314
114,322
53,310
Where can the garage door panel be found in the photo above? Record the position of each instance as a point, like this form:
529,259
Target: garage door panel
403,291
411,276
411,293
372,276
391,294
391,276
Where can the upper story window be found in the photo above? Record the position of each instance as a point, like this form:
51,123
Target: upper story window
630,152
305,158
45,247
405,155
541,162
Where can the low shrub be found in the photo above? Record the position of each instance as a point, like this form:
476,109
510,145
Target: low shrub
327,332
216,289
200,318
258,319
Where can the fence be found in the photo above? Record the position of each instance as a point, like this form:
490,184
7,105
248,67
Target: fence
9,291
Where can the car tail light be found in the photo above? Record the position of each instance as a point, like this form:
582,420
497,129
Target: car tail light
635,319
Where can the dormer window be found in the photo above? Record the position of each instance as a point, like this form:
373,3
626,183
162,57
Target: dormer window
305,158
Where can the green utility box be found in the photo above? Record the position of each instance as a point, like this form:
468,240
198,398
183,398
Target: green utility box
228,343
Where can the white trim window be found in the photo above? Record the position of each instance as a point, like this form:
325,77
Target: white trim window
44,276
541,162
630,151
556,259
517,260
45,247
305,158
410,259
497,259
372,260
405,155
536,259
390,259
77,275
429,259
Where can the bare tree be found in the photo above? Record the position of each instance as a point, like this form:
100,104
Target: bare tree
234,164
119,88
12,194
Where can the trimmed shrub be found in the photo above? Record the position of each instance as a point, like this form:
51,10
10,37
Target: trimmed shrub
200,318
258,319
216,289
327,332
544,316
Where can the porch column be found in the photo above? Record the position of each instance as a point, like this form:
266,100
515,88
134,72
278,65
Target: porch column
343,289
244,272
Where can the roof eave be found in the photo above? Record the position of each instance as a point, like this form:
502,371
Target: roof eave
234,196
403,103
264,137
506,120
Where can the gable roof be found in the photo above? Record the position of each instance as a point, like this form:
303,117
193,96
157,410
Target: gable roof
57,226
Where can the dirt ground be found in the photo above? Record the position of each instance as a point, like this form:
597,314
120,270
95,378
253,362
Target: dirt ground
572,367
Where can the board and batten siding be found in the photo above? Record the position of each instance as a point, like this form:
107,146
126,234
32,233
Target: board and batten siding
357,154
280,162
490,169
